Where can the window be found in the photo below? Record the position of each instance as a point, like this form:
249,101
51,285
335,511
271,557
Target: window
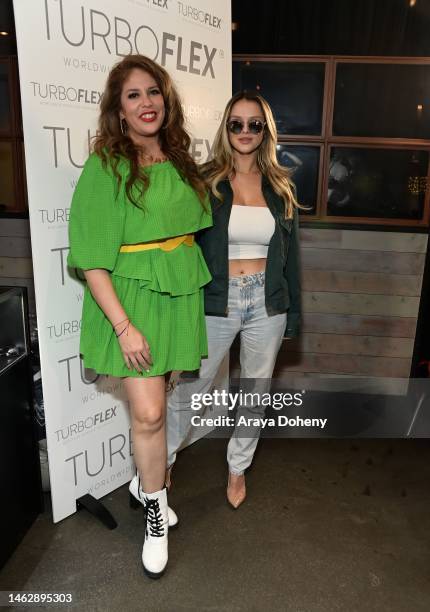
294,89
303,162
382,100
382,183
354,131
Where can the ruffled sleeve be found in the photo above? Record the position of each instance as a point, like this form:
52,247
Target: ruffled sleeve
97,217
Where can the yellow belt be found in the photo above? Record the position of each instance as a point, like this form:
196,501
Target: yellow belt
165,245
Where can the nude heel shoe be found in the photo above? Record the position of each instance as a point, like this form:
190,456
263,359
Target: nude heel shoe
236,489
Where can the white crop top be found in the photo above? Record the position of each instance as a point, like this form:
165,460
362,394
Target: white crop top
249,232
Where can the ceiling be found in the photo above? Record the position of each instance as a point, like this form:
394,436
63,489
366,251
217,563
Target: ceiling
338,27
321,27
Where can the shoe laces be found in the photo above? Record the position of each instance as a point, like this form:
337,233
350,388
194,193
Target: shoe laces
154,520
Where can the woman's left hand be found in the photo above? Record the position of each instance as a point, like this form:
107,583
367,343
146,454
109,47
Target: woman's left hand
135,349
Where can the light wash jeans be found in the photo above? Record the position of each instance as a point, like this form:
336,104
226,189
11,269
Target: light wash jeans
260,341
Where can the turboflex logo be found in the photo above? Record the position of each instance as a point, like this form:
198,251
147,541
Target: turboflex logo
196,14
200,149
54,216
163,4
73,373
69,366
97,31
66,141
64,330
54,93
60,254
193,111
91,461
86,424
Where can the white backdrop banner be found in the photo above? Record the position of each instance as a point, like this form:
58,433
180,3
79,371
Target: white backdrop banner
65,51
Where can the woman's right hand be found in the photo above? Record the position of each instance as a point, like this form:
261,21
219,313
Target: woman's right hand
135,349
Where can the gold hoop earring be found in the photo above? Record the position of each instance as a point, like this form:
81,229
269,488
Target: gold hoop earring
123,126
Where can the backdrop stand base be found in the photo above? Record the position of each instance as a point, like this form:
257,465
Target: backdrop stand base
97,509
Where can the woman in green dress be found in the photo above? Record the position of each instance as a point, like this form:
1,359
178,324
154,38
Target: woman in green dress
134,212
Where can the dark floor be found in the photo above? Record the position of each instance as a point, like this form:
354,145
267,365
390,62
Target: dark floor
328,525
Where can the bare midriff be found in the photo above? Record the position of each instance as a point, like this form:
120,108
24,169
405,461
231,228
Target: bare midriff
244,267
247,191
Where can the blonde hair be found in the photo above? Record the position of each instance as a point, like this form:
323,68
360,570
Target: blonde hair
222,164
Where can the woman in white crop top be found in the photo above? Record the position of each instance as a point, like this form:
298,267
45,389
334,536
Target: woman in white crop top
245,155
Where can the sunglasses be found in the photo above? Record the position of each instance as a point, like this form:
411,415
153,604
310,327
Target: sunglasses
255,126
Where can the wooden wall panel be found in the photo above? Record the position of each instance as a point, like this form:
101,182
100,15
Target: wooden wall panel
361,282
14,227
341,344
363,261
360,240
361,295
16,267
15,246
395,327
340,383
360,304
390,367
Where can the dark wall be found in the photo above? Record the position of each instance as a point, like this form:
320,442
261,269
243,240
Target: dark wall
7,43
338,27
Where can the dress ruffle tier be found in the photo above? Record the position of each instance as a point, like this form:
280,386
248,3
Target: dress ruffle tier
182,271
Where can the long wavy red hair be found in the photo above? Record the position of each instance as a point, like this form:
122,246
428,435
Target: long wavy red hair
112,145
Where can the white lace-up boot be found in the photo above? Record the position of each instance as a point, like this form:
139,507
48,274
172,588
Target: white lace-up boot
155,549
136,491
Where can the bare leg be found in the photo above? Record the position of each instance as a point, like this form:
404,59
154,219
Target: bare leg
147,397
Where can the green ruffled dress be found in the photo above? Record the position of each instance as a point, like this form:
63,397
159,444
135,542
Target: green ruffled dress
161,291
